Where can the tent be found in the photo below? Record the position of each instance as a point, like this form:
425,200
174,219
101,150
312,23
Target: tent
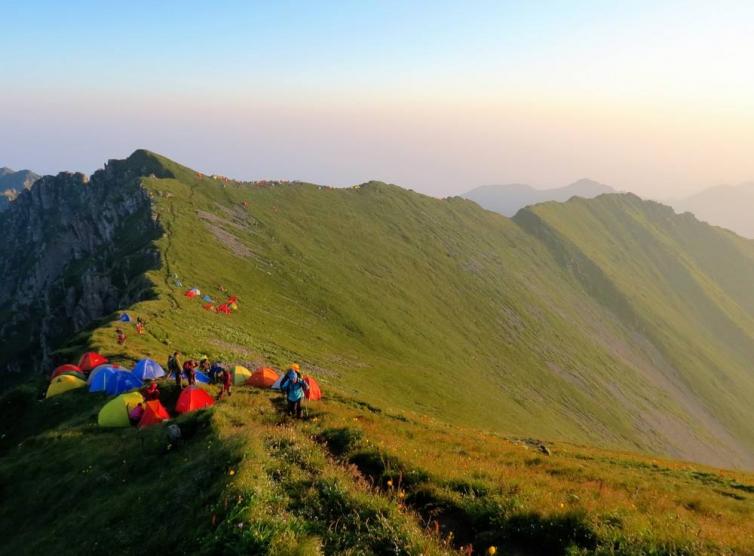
105,367
64,383
276,384
207,298
193,398
148,369
224,308
101,377
64,368
122,381
240,374
77,374
115,412
263,377
154,412
91,360
124,318
193,292
208,307
314,392
201,377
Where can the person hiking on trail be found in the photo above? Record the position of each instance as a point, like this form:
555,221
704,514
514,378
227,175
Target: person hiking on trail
134,416
226,379
151,391
189,368
120,336
295,388
214,372
174,366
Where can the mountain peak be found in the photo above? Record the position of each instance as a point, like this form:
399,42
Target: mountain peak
509,199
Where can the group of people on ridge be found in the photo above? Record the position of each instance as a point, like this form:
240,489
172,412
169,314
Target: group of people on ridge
292,384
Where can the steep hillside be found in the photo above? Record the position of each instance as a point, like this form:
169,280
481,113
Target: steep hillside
73,251
728,206
13,183
509,199
608,321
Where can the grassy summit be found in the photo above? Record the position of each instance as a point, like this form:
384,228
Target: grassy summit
610,321
451,342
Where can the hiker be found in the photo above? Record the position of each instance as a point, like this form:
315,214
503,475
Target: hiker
134,416
174,366
204,365
151,391
120,336
214,372
295,388
189,368
226,380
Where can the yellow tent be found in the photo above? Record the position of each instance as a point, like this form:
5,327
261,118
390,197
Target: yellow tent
240,374
63,383
115,412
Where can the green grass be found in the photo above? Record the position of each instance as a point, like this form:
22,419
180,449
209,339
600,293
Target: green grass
440,307
349,479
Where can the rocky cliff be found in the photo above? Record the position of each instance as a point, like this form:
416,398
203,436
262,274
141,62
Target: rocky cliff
74,250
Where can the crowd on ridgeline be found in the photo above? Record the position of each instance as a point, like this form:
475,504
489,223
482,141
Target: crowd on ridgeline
292,383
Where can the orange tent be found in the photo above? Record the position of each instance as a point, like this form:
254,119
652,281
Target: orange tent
193,398
314,393
91,360
154,412
263,377
64,369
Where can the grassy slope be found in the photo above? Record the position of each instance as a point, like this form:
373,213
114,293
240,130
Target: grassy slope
690,283
349,479
434,306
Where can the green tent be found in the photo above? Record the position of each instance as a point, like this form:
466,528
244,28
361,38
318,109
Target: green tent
115,412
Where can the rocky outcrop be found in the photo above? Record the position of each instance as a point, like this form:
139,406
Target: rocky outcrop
74,250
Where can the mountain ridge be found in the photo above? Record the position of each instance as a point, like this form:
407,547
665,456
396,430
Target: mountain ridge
376,282
509,199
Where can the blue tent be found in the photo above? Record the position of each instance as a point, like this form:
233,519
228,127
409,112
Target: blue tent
202,377
148,369
124,318
207,298
123,381
99,381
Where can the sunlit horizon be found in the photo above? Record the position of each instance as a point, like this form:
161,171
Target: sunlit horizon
440,98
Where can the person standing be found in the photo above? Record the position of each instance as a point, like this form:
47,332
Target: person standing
226,379
174,366
295,389
189,369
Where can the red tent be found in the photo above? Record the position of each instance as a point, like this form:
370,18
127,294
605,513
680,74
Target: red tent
263,377
314,393
63,369
154,412
232,299
224,309
193,398
90,360
208,306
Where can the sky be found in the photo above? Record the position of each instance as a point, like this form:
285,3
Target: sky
438,96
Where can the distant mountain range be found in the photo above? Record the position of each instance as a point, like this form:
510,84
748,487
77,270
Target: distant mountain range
509,199
12,183
729,206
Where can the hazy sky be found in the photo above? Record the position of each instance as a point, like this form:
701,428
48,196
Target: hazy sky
655,97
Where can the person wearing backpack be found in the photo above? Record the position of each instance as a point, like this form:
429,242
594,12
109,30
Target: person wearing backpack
295,389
